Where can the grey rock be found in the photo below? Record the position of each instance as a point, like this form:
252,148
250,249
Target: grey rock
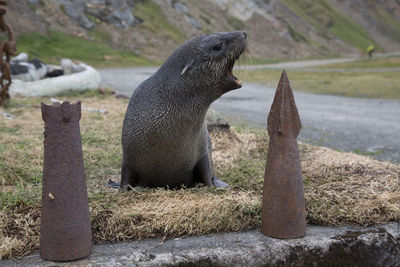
117,3
33,2
131,3
286,35
322,246
169,2
244,9
98,10
194,22
115,12
181,6
121,17
76,11
7,115
96,2
220,184
215,121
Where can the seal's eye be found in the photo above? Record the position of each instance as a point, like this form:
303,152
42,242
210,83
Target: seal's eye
217,47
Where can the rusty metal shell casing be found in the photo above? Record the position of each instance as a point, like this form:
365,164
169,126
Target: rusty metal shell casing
283,212
65,231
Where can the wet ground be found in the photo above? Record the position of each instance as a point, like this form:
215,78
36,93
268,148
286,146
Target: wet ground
364,126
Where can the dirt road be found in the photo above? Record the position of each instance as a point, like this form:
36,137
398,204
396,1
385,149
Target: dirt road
366,126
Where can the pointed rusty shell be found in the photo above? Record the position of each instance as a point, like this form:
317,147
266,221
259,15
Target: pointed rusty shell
283,214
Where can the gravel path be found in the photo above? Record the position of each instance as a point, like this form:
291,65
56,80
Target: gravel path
369,126
300,64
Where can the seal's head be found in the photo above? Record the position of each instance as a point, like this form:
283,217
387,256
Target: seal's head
208,60
219,52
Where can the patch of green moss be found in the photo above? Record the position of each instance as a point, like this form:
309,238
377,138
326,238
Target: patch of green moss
236,23
92,18
207,31
387,23
155,21
205,19
99,35
297,36
51,47
31,6
353,84
329,20
62,8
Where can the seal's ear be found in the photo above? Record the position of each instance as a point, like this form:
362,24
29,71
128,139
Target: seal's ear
187,67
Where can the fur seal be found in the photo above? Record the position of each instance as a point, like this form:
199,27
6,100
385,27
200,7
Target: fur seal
165,141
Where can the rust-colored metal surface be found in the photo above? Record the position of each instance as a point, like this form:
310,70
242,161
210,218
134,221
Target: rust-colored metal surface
283,214
65,232
7,48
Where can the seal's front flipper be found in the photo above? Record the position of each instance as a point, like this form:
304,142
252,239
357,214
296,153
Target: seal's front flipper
215,181
202,172
129,178
112,184
218,183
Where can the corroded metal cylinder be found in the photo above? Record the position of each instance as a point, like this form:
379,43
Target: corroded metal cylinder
283,213
65,232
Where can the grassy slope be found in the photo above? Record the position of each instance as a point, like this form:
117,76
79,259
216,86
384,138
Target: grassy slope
154,20
353,84
329,19
52,47
365,63
387,23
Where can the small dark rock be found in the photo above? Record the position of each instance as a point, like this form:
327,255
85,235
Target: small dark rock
181,6
121,96
115,12
216,122
194,22
17,69
55,73
76,11
33,2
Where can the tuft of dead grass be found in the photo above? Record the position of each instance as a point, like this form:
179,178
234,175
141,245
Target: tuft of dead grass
340,188
175,213
228,146
344,188
19,232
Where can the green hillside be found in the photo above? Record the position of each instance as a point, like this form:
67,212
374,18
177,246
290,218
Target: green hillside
53,46
329,20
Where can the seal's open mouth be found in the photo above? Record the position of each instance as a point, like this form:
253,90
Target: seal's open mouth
229,74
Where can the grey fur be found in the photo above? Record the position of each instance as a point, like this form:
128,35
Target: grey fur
165,141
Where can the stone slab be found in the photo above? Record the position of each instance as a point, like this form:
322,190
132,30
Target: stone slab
322,246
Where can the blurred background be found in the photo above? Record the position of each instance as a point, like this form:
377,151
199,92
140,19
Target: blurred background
342,56
134,32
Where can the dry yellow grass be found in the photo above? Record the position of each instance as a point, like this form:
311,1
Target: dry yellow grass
174,213
348,188
340,188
